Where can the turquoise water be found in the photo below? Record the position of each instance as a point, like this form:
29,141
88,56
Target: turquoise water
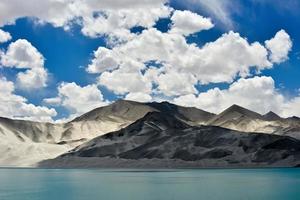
81,184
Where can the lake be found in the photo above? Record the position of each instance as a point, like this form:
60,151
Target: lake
206,184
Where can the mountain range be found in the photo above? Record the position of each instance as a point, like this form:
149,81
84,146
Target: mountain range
133,134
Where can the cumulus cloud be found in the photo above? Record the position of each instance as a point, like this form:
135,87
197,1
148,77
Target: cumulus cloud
22,55
97,17
47,10
116,23
16,106
279,46
138,96
32,79
228,56
77,99
186,22
122,81
258,93
165,63
104,60
221,10
173,83
4,36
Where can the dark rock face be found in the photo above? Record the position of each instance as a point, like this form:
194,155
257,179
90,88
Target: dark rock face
162,138
188,114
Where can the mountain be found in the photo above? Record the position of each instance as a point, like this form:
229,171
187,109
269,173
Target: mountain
24,143
161,140
233,115
242,119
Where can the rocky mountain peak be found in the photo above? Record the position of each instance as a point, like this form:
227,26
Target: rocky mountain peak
271,116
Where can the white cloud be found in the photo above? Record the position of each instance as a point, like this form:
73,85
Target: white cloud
220,9
55,101
178,66
173,83
97,17
117,22
22,55
104,60
186,22
258,94
15,106
229,55
55,11
291,108
123,81
4,36
77,99
152,44
279,46
138,96
32,79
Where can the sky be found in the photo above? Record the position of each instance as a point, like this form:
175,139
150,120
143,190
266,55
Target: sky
62,58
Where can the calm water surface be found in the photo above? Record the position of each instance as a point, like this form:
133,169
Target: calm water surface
83,184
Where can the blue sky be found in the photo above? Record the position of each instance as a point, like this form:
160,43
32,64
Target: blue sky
68,51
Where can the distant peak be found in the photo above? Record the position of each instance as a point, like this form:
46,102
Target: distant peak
241,110
236,107
270,113
294,118
271,116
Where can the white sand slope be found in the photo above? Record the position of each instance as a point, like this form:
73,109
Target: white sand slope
30,142
18,154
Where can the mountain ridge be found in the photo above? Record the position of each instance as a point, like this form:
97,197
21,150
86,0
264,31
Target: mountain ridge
43,140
